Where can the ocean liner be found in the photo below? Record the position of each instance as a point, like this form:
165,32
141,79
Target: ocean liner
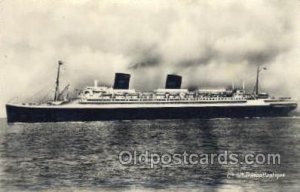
96,103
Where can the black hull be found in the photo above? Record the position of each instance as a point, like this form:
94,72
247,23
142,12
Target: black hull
60,114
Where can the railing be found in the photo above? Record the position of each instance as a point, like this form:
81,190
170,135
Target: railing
185,100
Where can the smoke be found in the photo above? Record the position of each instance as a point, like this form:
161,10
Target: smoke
209,43
145,59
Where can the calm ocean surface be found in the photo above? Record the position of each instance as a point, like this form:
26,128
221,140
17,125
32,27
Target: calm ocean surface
85,156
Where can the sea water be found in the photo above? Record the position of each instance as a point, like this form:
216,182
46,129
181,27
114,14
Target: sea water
85,156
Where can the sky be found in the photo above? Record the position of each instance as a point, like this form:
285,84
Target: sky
211,43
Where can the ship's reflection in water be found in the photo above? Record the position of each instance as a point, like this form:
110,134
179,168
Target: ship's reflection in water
84,156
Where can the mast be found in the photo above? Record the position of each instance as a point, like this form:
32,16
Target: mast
257,81
57,82
257,78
